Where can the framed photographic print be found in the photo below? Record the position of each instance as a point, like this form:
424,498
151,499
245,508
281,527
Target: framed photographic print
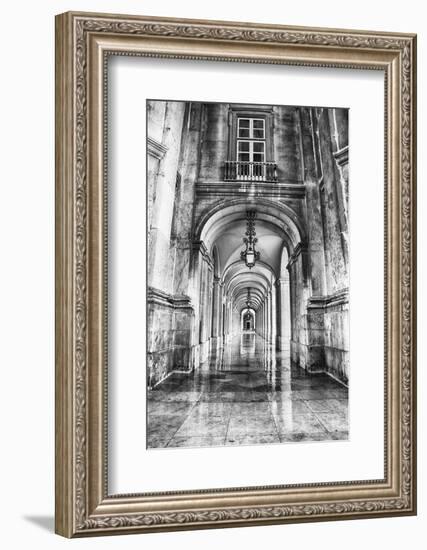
235,274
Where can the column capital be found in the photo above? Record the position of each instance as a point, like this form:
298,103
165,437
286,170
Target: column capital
282,280
155,148
199,246
341,156
217,282
299,248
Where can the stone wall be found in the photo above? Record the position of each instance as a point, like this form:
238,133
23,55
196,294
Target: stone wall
169,335
327,322
299,292
320,337
170,315
287,144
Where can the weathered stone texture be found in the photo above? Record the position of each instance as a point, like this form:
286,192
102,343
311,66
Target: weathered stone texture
199,287
286,144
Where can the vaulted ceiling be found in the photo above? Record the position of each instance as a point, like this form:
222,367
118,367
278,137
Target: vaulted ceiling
277,233
236,276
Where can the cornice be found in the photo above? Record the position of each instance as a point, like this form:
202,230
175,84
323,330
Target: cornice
175,301
155,148
324,302
283,190
299,248
199,246
341,156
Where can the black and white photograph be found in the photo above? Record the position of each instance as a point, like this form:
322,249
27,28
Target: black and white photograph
248,275
212,311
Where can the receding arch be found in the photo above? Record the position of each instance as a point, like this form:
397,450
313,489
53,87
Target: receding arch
279,214
247,320
219,232
235,267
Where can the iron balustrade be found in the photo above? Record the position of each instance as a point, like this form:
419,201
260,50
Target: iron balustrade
250,171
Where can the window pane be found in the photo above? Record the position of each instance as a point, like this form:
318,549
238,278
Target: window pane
243,145
258,147
258,157
258,129
244,132
243,157
244,125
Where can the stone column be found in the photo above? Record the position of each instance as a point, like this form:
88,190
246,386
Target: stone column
265,324
265,308
217,304
338,119
182,225
201,299
263,321
209,303
334,217
283,314
269,316
204,312
273,314
313,172
196,290
159,265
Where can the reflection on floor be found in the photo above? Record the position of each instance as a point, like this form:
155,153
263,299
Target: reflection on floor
246,394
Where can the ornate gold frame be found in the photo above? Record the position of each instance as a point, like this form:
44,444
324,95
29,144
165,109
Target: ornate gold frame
83,41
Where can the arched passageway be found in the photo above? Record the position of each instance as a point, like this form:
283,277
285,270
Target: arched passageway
267,284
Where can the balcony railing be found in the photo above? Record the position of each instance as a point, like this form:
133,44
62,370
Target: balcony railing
250,171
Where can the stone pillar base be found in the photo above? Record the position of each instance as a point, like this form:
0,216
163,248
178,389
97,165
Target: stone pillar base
204,351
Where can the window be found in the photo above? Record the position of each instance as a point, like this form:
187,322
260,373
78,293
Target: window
251,140
250,146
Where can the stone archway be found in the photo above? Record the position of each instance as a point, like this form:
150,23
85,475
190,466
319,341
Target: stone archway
217,245
247,320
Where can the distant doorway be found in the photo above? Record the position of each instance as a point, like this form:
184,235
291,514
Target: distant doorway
248,322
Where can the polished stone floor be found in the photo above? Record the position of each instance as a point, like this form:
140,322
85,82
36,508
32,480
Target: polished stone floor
246,394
